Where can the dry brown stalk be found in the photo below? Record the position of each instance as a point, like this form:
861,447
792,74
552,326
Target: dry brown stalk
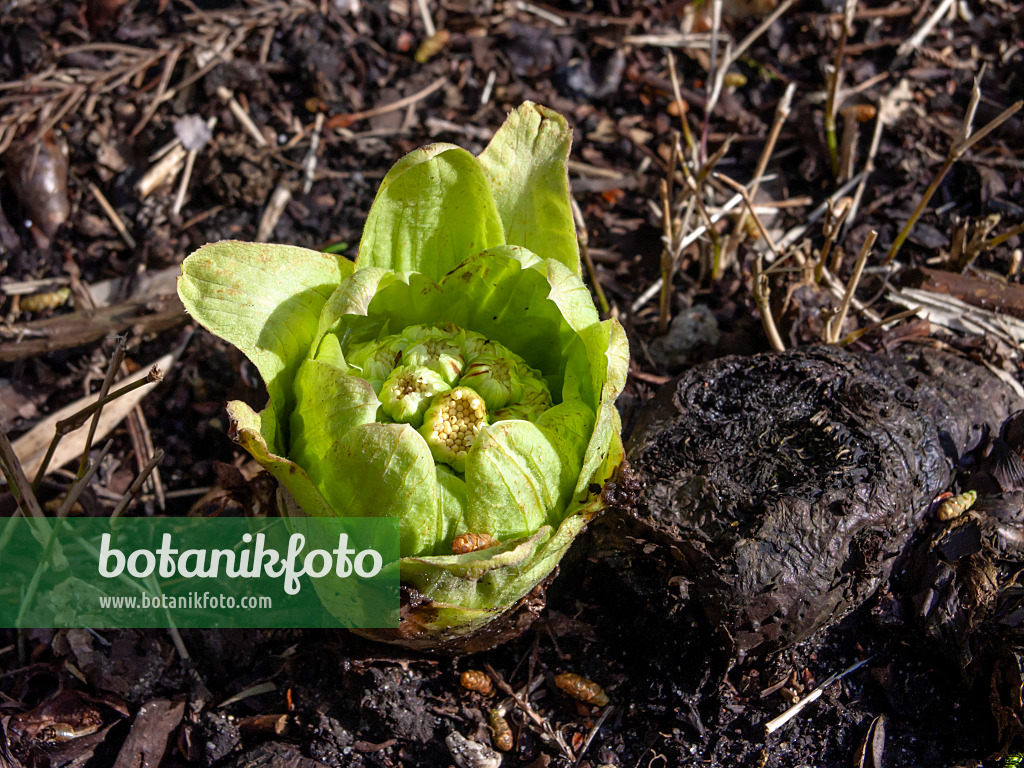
834,327
834,77
751,211
343,121
782,110
762,294
584,242
966,139
831,227
16,479
113,215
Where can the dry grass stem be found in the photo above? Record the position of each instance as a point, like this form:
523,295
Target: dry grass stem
162,171
683,110
762,295
877,325
542,13
751,210
133,489
112,214
798,231
343,121
428,21
997,121
16,479
834,77
782,111
276,206
830,228
838,289
64,425
186,176
242,116
715,77
542,724
83,481
584,242
907,46
696,195
120,351
310,161
869,166
692,237
964,142
834,327
170,60
1000,239
142,445
183,182
485,95
605,713
694,40
776,723
668,262
759,30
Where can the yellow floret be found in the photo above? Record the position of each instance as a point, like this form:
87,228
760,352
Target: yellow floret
452,423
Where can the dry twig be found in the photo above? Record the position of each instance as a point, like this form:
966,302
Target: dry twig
965,140
834,327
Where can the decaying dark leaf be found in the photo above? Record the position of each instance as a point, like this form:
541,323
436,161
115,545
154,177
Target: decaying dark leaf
38,171
784,485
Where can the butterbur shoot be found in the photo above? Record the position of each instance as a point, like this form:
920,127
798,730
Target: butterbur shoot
456,375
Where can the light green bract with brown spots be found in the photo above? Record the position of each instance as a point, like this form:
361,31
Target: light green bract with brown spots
457,375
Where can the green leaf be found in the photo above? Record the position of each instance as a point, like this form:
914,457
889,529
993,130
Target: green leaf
491,580
351,298
452,496
526,164
571,295
521,475
328,403
386,470
474,565
609,355
433,210
264,299
251,432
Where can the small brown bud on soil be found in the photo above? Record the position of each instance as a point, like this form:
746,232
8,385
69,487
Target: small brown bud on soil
581,689
475,680
39,302
502,734
432,46
953,507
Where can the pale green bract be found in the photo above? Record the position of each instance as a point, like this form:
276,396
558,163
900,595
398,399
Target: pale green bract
457,375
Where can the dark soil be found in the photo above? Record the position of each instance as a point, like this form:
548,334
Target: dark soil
112,81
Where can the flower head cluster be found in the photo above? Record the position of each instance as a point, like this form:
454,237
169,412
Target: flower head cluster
444,381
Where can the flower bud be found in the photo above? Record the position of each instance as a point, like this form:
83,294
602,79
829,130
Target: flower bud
533,401
376,359
495,377
408,392
440,350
